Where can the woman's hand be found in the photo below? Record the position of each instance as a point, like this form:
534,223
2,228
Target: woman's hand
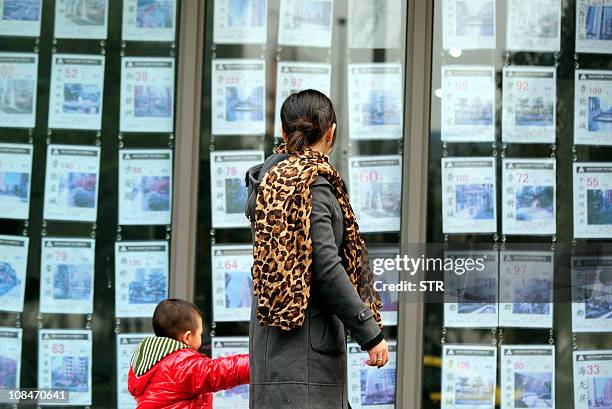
379,355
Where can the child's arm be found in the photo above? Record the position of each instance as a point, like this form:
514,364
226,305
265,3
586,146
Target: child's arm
203,375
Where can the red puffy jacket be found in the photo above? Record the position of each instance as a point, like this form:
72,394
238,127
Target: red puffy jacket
185,379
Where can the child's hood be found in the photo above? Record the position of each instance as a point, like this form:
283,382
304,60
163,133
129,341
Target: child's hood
146,355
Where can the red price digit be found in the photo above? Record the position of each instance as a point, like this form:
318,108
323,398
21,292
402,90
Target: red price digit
592,369
592,182
595,91
230,171
61,256
7,71
461,85
462,178
70,73
57,348
229,264
519,270
296,83
142,76
518,365
464,365
369,177
522,86
522,177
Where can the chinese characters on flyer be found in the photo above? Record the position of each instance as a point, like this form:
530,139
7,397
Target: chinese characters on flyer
592,198
240,22
13,266
71,183
371,387
238,102
469,375
15,180
528,196
228,188
468,103
147,94
592,378
375,190
468,24
306,23
237,397
526,289
293,77
468,195
232,282
145,186
529,112
77,84
471,298
527,376
81,19
141,277
593,107
375,101
152,20
64,362
67,275
18,82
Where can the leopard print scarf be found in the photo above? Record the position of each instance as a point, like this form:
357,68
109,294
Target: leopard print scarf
283,246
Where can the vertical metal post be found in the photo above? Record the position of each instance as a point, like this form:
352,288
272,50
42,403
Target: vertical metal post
414,200
187,148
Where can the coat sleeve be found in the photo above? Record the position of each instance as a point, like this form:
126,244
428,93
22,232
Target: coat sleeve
330,277
204,375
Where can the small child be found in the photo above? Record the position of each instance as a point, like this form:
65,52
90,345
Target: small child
167,371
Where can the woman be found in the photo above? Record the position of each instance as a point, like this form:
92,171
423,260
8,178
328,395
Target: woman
310,277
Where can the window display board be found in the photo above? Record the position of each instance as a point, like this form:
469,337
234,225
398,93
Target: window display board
81,19
591,294
20,18
237,397
149,20
10,357
592,200
592,378
18,85
13,266
371,387
468,24
232,283
15,180
125,347
240,22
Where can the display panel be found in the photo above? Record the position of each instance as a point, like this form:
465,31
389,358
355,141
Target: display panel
10,357
389,299
145,186
141,277
468,24
147,94
65,361
306,23
18,84
591,289
13,266
534,25
471,298
82,19
15,180
20,18
149,20
468,103
293,77
592,200
593,20
375,191
468,195
528,376
240,22
528,196
371,387
469,376
374,23
125,347
76,95
526,289
71,183
375,101
228,188
529,112
67,275
592,378
593,107
237,397
232,282
238,102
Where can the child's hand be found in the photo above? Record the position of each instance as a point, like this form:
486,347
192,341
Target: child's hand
379,355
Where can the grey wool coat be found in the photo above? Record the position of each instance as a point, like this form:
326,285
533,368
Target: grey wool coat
305,368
